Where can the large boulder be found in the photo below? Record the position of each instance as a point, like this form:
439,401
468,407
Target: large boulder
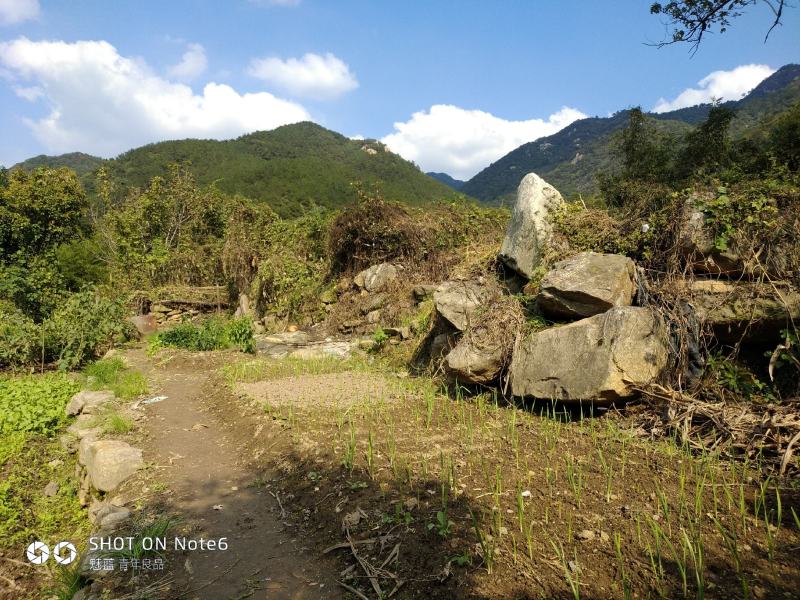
376,278
474,360
746,311
530,228
109,462
601,358
457,301
587,284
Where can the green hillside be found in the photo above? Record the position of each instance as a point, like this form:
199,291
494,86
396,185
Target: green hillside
82,164
291,168
571,158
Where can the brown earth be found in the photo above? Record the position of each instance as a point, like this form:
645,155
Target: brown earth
346,480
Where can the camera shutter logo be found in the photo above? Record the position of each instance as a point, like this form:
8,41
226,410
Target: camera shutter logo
64,553
38,553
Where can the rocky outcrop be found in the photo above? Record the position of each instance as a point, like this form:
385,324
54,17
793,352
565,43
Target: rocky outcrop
601,358
457,301
587,284
474,360
743,311
109,462
376,278
530,228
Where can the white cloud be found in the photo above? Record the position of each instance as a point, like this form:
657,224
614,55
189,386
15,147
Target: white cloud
17,11
461,142
104,103
312,76
727,85
193,63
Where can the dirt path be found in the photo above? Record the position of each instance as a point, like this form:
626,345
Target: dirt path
207,449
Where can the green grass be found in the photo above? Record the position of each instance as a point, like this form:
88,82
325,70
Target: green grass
25,513
116,423
111,374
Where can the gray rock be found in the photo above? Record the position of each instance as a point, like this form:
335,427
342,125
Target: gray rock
51,489
696,244
244,308
292,338
88,401
376,278
377,301
474,360
587,284
110,462
743,310
373,317
441,345
324,350
83,426
601,358
529,229
107,515
423,291
458,301
112,520
367,343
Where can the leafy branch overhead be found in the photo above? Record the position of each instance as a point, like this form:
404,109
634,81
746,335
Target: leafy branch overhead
690,20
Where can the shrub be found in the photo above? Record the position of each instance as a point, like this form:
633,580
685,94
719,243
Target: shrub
34,403
371,232
19,338
212,334
83,327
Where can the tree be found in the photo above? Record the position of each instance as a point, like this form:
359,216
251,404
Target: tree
690,20
39,210
643,149
708,146
785,138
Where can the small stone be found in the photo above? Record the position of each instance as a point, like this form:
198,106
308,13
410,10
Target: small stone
51,489
585,535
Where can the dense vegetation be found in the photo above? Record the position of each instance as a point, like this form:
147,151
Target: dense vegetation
570,158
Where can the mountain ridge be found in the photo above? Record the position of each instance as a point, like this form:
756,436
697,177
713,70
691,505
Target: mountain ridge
570,158
292,168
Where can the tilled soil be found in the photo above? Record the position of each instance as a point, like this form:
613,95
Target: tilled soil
363,484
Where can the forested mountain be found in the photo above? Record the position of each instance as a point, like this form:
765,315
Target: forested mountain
571,158
456,184
292,168
82,164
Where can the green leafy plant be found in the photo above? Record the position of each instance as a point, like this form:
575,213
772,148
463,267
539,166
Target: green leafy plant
34,403
442,525
215,333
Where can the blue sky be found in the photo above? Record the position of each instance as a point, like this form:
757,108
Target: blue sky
452,85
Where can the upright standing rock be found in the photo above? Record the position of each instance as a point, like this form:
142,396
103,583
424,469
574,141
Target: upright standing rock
529,229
